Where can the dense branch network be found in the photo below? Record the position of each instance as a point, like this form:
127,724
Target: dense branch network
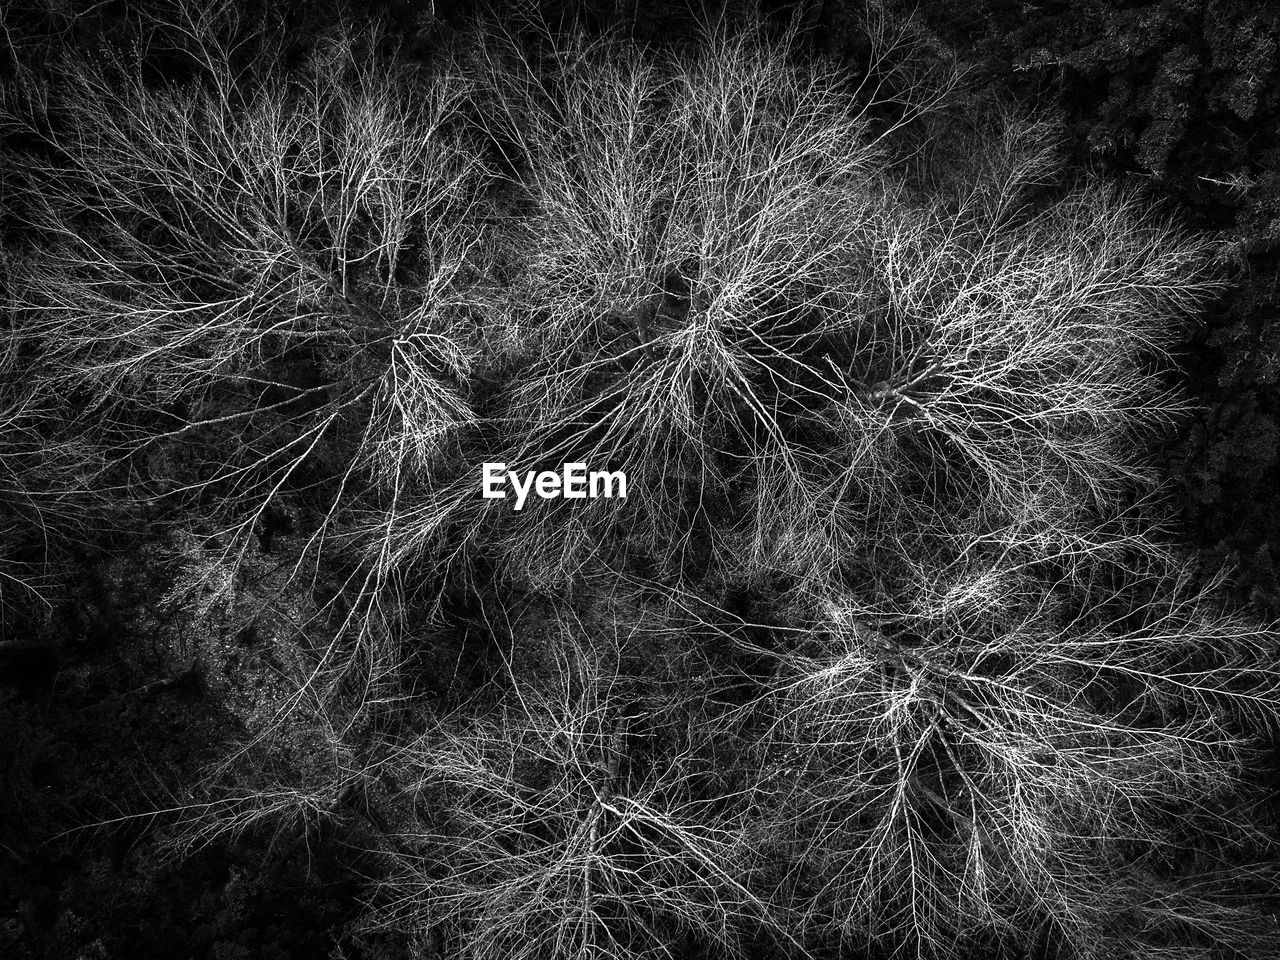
885,648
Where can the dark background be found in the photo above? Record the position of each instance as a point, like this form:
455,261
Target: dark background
1180,96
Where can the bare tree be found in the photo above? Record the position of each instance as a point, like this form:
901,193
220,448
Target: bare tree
565,819
988,754
277,271
692,218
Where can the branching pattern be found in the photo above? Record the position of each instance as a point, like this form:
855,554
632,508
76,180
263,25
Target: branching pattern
887,648
545,828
